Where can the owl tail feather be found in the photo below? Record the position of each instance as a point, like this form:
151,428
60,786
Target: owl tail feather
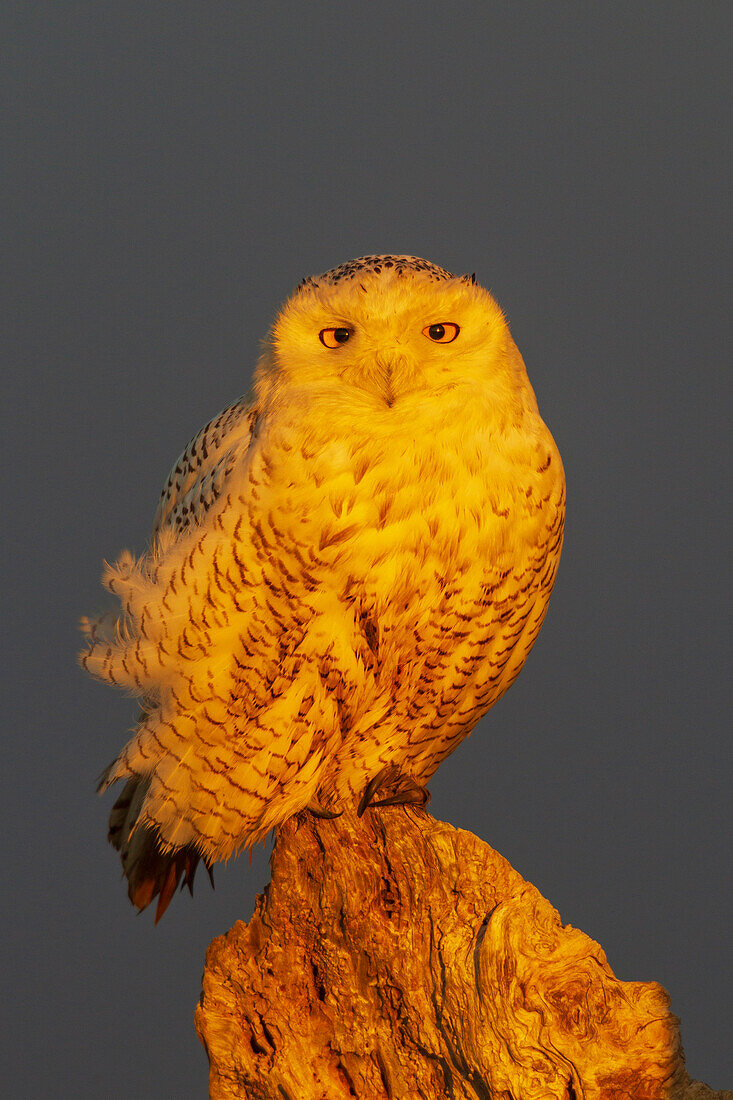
149,872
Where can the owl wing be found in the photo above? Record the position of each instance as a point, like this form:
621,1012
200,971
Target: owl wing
196,480
223,632
191,490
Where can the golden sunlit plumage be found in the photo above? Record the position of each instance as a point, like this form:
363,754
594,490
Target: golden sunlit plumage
345,573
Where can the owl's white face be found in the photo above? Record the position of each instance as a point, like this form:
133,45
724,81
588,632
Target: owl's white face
386,332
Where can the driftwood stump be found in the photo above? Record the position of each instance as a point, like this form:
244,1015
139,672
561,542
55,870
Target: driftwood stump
394,956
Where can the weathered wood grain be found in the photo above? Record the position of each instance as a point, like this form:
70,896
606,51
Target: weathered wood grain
394,957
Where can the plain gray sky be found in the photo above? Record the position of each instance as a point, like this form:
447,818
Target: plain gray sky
171,172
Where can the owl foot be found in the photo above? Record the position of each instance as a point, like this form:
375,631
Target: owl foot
320,811
397,788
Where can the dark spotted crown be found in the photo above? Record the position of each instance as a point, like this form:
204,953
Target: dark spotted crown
375,265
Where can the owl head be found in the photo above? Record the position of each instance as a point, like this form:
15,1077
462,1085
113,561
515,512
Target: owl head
389,330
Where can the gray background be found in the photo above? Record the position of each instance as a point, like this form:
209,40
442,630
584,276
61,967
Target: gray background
172,171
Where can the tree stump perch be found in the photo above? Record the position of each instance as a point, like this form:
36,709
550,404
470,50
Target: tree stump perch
394,957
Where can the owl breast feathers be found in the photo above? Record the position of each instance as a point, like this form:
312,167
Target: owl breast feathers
345,571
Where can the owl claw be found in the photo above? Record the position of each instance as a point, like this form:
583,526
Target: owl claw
407,796
399,790
320,811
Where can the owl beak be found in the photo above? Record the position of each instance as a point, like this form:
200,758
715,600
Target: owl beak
386,387
386,377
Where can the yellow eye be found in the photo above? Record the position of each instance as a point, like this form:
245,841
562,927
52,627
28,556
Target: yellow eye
333,337
442,333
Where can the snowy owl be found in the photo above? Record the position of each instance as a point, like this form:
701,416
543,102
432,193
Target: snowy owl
346,570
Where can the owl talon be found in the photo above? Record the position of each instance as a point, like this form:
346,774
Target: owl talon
320,811
377,781
409,796
399,789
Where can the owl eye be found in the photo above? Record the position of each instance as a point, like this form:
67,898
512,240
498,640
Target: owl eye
332,337
442,333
